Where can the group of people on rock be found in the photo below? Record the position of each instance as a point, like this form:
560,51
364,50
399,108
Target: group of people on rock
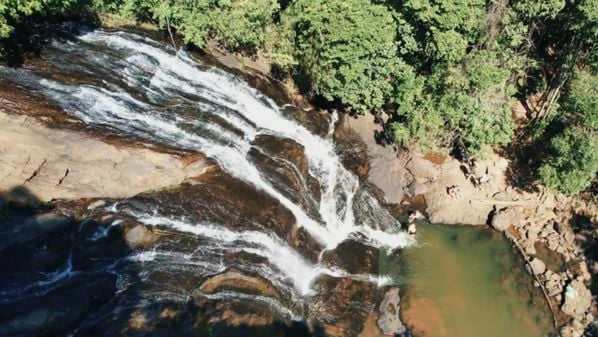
469,169
454,191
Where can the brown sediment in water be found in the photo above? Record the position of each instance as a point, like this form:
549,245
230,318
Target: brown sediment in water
463,281
370,327
423,317
415,202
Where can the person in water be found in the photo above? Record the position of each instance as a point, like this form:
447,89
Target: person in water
412,230
413,215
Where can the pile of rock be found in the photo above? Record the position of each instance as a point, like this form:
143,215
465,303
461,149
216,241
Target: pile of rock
566,289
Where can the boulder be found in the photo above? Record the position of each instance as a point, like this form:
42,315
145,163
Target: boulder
342,305
507,217
62,164
537,266
139,236
423,171
553,283
529,247
417,188
238,282
96,204
30,228
578,299
552,241
532,231
386,169
354,257
389,320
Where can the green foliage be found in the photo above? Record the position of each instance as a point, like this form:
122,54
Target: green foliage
236,24
441,69
445,28
346,48
573,161
13,12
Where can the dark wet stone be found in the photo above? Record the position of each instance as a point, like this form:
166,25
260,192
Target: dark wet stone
286,166
16,228
55,312
221,199
342,305
354,257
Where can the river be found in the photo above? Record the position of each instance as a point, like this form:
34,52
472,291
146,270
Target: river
279,238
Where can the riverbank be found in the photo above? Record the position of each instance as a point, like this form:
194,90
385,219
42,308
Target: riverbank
538,222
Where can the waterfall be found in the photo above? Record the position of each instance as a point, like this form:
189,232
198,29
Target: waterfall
136,80
133,86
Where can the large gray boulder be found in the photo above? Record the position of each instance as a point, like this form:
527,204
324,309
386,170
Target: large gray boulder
537,266
578,299
507,217
139,236
389,321
423,170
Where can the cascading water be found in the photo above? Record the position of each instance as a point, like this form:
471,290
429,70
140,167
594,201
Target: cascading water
135,86
139,109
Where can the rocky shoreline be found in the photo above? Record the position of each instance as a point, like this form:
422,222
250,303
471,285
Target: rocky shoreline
529,219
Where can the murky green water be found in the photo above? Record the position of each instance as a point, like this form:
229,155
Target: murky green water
468,282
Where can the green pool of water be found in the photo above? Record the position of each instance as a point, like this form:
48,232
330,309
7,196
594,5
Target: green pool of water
467,282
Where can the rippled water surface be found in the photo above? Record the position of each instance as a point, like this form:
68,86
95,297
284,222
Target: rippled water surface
468,282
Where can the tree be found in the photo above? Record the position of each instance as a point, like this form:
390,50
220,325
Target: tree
13,12
236,24
346,48
572,163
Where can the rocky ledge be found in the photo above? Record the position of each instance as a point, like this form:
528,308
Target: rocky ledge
40,163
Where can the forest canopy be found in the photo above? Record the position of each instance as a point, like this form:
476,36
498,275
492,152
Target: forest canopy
444,72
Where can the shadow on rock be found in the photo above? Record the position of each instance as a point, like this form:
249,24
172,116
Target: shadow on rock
95,274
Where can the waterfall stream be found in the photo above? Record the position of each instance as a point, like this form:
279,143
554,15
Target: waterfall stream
128,84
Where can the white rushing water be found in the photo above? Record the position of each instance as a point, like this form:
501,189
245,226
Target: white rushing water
144,89
286,266
220,94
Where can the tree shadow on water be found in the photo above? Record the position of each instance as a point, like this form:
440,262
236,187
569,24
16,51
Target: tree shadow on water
30,36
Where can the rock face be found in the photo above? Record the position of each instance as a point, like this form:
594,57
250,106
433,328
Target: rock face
386,170
342,305
389,321
507,217
423,171
52,164
239,282
354,257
